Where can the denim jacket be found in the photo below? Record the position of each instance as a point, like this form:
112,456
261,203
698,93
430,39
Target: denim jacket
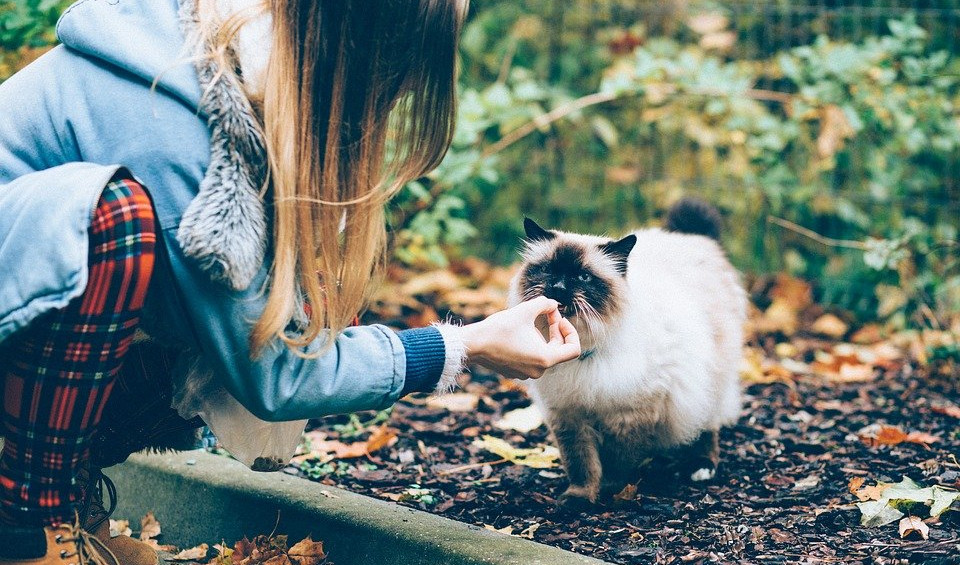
75,116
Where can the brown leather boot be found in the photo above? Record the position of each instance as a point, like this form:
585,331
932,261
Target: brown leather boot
54,545
96,520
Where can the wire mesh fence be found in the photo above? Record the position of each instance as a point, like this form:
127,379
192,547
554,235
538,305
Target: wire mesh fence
872,184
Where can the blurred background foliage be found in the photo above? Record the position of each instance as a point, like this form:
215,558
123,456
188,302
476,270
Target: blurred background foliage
826,131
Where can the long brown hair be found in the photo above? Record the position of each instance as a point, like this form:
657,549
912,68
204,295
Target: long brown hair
359,99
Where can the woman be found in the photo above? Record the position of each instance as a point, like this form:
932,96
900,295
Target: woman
157,173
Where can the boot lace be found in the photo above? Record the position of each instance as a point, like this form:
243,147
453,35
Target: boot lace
96,484
90,550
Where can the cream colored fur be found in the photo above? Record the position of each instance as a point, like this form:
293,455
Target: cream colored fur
664,366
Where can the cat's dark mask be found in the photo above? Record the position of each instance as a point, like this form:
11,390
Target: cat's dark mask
566,274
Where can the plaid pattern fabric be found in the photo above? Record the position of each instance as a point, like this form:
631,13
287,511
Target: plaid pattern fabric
61,369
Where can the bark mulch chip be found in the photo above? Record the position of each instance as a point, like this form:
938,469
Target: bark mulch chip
783,492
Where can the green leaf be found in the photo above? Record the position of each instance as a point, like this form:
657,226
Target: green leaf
877,513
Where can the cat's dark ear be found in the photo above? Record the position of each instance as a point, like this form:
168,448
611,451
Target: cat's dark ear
620,250
535,232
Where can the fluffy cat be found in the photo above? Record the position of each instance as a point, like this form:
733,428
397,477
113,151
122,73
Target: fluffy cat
660,315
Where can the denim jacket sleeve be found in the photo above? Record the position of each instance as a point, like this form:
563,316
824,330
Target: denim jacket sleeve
366,367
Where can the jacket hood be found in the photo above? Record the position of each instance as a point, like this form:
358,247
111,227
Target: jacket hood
142,37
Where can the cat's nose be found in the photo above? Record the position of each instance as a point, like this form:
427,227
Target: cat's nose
558,291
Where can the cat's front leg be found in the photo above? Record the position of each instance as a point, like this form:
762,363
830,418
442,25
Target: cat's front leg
579,450
700,458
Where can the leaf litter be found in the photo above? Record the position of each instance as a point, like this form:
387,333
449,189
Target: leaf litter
835,416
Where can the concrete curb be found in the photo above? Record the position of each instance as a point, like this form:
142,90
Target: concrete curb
199,497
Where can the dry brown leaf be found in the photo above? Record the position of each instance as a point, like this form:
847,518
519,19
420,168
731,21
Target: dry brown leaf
455,402
504,530
628,493
381,437
781,317
438,281
855,484
853,373
868,334
120,528
913,524
529,531
890,435
952,411
793,292
873,492
199,552
877,435
149,527
921,438
308,552
830,326
340,450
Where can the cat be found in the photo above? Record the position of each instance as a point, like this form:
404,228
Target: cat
660,315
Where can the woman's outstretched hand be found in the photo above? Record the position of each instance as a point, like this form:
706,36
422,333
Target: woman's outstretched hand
510,343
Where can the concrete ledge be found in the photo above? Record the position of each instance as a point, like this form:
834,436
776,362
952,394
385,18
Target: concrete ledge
198,497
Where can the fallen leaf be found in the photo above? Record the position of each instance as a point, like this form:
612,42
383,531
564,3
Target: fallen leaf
523,420
308,552
628,493
952,411
796,294
872,492
504,530
855,483
538,457
149,527
440,280
853,373
883,509
199,552
922,438
455,402
781,317
877,435
877,513
830,326
529,531
340,450
807,483
120,528
913,524
381,437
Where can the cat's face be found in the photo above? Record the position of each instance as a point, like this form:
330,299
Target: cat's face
585,274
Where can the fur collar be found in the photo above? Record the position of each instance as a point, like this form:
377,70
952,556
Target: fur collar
224,229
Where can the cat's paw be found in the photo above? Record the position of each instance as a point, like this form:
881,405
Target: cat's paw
703,474
578,498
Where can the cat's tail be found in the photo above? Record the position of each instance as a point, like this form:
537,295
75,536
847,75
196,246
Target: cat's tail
691,215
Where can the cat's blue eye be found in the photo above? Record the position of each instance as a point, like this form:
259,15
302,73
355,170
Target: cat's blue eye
585,277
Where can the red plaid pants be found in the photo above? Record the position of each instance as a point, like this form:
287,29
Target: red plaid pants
61,369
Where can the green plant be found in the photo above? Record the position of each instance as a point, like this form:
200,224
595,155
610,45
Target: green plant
26,30
848,140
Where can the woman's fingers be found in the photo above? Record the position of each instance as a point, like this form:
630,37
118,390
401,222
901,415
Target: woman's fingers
556,337
570,347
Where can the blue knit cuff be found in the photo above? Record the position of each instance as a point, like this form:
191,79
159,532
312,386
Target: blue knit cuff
426,355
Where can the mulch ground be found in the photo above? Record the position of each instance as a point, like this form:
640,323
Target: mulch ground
781,494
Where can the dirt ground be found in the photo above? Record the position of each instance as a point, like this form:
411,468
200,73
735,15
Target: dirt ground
782,493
